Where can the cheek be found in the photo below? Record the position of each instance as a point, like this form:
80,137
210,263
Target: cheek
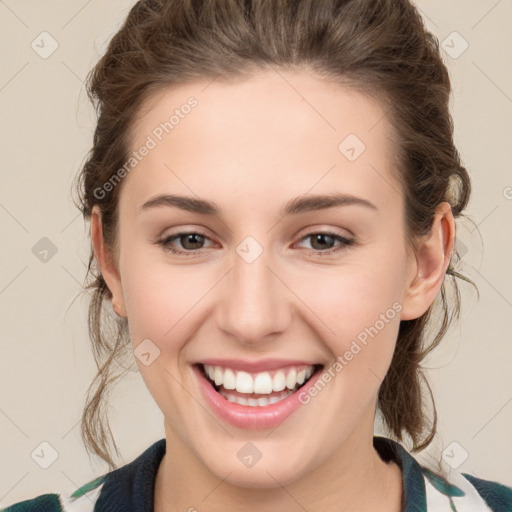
161,300
357,310
349,298
162,303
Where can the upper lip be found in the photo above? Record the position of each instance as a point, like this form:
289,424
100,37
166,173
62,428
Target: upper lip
255,366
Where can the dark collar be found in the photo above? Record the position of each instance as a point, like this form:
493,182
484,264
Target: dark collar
130,487
413,485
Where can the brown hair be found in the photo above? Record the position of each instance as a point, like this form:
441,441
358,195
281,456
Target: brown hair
380,47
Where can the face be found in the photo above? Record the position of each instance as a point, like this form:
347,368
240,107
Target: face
271,283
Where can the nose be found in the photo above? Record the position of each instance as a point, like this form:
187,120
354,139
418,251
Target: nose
255,305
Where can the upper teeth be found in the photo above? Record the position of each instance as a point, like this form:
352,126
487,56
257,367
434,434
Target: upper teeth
261,383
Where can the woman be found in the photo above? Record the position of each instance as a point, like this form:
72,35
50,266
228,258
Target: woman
272,193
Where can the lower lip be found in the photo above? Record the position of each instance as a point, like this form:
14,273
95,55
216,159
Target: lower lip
248,417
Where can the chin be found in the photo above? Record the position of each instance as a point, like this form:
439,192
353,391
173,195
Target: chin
243,464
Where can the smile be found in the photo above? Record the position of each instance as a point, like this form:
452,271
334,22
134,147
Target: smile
251,399
274,385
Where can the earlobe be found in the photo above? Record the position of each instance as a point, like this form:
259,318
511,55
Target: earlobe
432,259
105,262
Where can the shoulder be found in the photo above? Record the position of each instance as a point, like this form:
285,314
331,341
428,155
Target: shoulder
43,503
497,495
127,488
81,500
465,492
427,490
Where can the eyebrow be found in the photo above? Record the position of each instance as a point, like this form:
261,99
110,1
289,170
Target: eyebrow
301,204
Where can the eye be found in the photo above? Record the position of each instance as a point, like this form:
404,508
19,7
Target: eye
189,240
192,242
325,239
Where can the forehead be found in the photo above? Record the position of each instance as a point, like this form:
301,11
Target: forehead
291,131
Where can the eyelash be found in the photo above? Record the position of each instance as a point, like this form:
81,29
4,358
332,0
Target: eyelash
345,242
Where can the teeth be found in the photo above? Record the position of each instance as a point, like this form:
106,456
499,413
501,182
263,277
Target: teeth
229,379
279,381
244,382
218,376
291,378
260,383
256,402
263,383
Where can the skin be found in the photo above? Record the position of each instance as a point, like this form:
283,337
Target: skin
250,146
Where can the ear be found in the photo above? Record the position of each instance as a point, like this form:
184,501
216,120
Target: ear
429,265
106,262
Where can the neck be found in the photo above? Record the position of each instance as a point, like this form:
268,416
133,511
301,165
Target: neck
354,477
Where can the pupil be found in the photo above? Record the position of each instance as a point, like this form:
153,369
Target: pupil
319,238
189,237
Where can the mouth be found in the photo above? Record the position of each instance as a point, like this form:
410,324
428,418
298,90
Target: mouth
259,390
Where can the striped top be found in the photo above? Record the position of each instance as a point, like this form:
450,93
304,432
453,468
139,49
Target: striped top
130,488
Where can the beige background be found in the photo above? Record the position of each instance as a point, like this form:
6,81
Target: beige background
46,365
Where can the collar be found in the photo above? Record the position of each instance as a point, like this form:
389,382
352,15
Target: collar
413,483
